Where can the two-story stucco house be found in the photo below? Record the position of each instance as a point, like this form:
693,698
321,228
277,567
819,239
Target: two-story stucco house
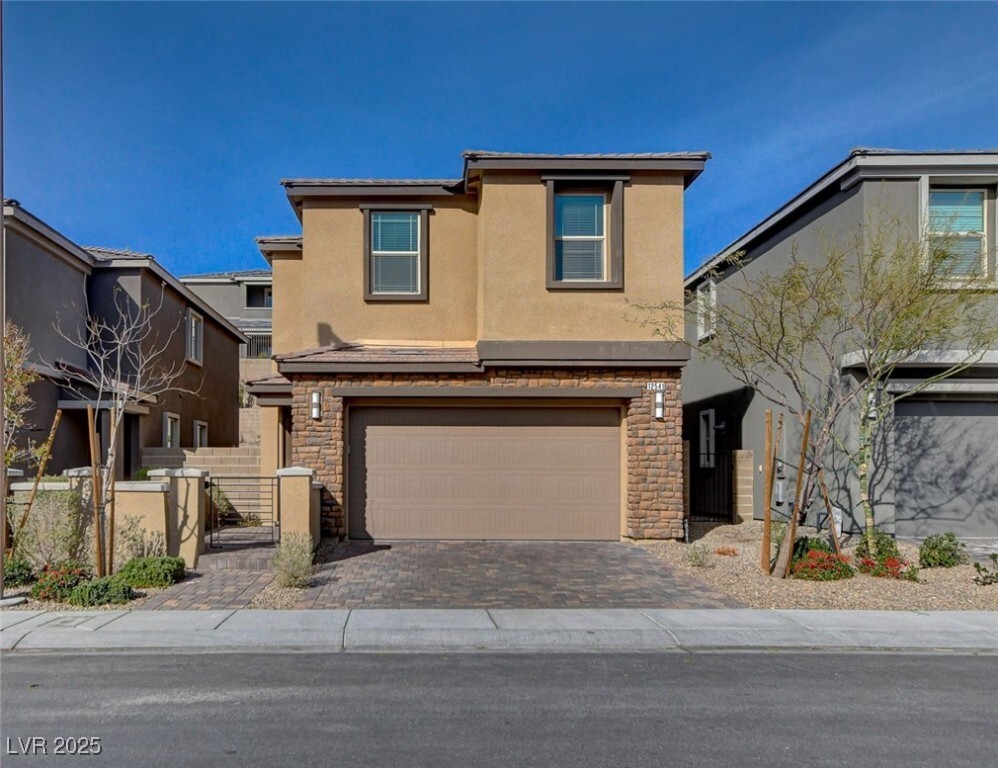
937,462
457,359
50,286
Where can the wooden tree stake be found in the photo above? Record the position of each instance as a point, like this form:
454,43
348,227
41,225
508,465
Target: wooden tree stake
786,555
95,493
46,455
828,506
765,553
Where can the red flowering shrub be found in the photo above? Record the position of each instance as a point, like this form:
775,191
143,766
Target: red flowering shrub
56,582
822,566
888,568
726,551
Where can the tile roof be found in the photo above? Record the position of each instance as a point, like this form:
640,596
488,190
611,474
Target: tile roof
273,379
369,353
233,274
371,183
110,254
481,153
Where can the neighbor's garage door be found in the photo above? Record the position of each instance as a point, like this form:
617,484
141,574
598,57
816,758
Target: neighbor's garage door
484,473
946,477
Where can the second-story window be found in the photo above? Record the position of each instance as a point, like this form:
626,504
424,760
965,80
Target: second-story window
706,309
396,268
956,224
580,237
195,337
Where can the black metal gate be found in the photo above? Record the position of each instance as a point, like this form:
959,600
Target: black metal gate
711,497
243,510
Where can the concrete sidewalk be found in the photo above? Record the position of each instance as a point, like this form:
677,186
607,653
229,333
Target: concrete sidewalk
500,630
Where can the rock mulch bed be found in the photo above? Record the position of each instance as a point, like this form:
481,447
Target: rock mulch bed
145,594
739,576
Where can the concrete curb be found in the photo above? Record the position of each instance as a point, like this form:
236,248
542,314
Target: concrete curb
500,630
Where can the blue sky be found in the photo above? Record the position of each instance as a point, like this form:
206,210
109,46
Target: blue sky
166,127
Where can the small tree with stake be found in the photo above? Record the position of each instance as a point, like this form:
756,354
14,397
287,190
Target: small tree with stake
17,377
883,296
129,361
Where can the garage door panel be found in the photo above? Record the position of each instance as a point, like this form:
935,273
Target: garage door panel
946,476
497,473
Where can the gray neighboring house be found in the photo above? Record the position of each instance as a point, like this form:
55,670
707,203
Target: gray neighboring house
245,299
937,466
50,281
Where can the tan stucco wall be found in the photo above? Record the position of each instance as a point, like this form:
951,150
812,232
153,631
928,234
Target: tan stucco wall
150,505
319,300
512,258
271,449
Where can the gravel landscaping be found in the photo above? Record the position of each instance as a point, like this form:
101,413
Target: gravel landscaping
50,605
739,576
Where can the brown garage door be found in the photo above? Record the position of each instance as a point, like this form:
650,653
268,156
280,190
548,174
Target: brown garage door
484,473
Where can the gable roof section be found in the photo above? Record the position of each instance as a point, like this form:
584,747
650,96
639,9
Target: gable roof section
370,357
119,258
862,163
285,245
235,276
22,221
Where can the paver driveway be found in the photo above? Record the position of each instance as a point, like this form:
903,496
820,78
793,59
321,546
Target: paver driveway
502,575
467,575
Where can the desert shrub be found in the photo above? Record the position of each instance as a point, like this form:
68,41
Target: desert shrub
941,551
883,547
56,582
17,572
987,576
153,571
58,528
102,591
142,473
292,561
698,556
806,544
132,540
888,568
820,565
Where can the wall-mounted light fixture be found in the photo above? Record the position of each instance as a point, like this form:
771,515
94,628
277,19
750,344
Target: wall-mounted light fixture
660,405
316,404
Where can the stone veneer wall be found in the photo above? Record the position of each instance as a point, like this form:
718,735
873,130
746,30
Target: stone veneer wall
655,508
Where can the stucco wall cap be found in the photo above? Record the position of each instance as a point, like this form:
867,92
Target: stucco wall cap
295,472
187,472
141,486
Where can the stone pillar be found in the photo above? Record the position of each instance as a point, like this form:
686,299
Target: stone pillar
188,511
298,513
742,485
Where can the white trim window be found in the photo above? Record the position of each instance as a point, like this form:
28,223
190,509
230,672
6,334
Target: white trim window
195,337
707,442
171,430
200,434
395,252
706,309
580,237
956,219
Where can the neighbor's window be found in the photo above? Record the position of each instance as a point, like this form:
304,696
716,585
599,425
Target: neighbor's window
171,430
395,252
259,297
707,450
200,434
580,238
956,224
195,337
260,346
706,309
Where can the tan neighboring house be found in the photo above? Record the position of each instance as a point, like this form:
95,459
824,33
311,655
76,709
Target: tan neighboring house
458,359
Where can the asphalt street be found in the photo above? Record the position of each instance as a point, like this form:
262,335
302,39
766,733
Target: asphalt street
552,710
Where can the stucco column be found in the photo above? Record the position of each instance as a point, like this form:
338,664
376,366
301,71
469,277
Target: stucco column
298,513
147,500
12,476
188,509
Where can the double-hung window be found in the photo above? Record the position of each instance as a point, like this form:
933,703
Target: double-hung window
706,309
195,337
580,237
956,225
200,434
396,254
585,226
171,430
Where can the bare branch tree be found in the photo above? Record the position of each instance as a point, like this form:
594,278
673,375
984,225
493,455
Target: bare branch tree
129,362
17,377
827,332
